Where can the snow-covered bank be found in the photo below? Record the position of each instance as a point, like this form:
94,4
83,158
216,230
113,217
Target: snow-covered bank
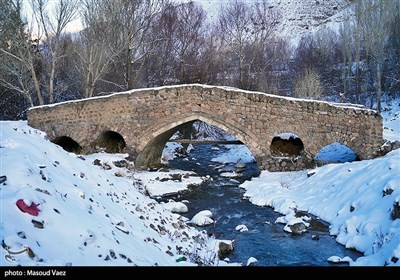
236,153
358,199
170,182
87,213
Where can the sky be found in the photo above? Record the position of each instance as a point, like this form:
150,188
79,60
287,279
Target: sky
73,26
69,211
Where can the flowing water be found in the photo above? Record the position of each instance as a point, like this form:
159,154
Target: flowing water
265,240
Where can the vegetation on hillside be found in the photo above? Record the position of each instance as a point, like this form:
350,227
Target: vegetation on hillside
136,44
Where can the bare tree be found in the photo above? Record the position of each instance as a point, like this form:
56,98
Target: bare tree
20,56
346,47
115,37
394,52
357,45
12,102
235,32
33,54
249,43
268,52
51,25
308,85
375,18
133,21
180,36
95,45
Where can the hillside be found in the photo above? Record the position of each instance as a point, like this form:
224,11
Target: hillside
307,16
71,212
298,17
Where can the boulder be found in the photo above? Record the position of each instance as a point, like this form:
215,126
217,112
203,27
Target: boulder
241,228
395,214
176,207
252,262
120,163
297,228
202,218
225,249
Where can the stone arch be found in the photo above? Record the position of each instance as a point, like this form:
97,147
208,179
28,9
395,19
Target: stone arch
343,138
288,150
110,141
68,144
335,152
286,144
150,149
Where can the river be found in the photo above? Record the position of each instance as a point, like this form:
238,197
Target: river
265,240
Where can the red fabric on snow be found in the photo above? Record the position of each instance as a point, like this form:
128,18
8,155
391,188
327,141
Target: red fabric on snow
32,209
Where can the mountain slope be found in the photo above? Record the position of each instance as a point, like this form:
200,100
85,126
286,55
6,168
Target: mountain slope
298,17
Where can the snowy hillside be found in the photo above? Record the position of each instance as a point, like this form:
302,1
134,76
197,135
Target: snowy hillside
69,211
298,17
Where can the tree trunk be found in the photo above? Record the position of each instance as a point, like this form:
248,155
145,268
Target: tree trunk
357,77
344,79
128,73
378,85
35,81
51,79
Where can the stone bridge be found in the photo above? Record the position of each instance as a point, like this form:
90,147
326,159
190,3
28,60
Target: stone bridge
142,121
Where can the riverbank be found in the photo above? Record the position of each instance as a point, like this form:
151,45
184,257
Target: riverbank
63,209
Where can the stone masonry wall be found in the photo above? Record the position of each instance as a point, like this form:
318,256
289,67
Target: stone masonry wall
146,118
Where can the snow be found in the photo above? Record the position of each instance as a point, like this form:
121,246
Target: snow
336,259
229,174
176,207
287,136
169,151
236,153
162,183
252,261
202,218
241,228
90,217
391,119
99,216
355,107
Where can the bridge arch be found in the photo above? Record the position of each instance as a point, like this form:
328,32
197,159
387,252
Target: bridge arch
150,150
68,144
335,152
287,144
111,141
350,141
